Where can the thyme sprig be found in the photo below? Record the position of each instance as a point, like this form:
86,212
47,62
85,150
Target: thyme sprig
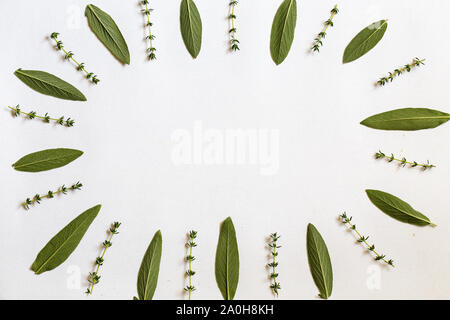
46,118
275,285
234,43
94,277
407,68
69,56
318,41
150,37
362,239
192,235
403,162
50,194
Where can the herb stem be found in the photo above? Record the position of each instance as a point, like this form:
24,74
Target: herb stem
232,20
408,67
234,42
94,278
98,265
37,198
151,50
275,286
273,260
32,114
318,41
192,235
69,55
333,13
403,162
149,25
371,247
190,269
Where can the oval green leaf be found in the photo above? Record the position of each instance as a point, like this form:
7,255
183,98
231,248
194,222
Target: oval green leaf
283,28
407,119
107,32
365,41
397,208
227,260
191,27
319,262
149,270
46,160
61,246
49,85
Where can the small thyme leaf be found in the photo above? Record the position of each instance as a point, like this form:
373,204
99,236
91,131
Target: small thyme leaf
403,162
192,235
273,246
329,23
397,72
362,239
50,194
46,118
69,56
94,277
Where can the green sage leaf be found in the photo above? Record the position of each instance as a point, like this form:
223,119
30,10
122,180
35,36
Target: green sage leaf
61,246
49,85
149,271
283,28
319,262
191,27
107,32
227,260
397,208
46,160
407,119
365,41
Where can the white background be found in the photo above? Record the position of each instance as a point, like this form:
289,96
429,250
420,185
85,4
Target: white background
326,156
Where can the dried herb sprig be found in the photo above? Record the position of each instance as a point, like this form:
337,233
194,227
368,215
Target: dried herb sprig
150,37
407,68
275,286
403,162
189,258
69,56
46,118
94,277
362,239
318,41
50,194
234,43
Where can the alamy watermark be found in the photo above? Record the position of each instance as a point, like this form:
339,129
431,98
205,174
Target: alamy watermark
73,280
373,280
209,146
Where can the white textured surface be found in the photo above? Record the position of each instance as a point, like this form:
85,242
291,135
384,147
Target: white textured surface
314,102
